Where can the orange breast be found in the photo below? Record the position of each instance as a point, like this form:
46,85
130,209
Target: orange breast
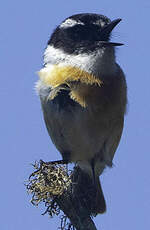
82,85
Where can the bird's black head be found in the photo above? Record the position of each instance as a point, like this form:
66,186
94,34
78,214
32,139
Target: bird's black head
82,33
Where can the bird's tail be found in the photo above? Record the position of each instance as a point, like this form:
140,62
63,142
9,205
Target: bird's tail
99,204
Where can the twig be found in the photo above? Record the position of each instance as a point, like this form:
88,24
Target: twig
70,192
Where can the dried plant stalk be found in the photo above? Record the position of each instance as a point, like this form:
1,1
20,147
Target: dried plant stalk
60,190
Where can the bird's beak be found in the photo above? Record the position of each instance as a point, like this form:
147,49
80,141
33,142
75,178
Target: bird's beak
107,30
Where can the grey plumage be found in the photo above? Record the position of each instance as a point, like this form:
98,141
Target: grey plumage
86,135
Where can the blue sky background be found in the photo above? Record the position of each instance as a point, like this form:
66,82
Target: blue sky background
25,27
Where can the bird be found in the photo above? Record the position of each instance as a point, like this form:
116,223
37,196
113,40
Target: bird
83,94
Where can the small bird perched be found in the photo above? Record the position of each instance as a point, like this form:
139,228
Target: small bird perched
83,94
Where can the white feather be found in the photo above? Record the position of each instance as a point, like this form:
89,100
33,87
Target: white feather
70,23
100,62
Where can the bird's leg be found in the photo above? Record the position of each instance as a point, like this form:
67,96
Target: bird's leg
65,160
55,162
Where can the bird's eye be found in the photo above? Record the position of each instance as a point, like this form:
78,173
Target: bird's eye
77,33
80,33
